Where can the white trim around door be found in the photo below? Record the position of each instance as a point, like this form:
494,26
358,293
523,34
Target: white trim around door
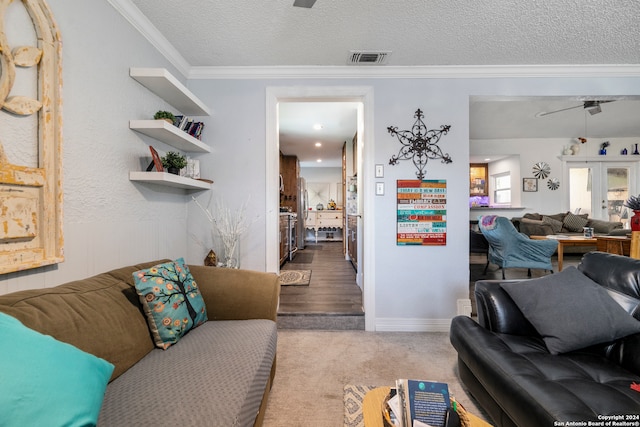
362,94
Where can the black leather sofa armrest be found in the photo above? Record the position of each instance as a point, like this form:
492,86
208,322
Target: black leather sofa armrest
497,312
630,353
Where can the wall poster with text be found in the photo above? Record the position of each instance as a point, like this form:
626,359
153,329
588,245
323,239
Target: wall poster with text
422,212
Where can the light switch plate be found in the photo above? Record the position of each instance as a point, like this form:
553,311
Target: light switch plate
379,171
379,188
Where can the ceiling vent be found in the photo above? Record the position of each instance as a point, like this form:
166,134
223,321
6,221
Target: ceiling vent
365,57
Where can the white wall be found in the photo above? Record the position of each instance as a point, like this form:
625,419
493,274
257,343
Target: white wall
111,222
331,176
108,221
416,288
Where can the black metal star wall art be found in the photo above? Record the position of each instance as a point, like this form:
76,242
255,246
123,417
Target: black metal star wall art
419,144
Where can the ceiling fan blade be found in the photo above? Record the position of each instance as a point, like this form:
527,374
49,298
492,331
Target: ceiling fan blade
546,113
304,3
593,107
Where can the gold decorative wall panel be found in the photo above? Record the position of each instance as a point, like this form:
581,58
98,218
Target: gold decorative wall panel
31,197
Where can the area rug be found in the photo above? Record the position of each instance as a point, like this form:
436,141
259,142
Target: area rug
295,277
353,395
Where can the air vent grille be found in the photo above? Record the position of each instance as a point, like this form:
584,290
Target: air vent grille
360,57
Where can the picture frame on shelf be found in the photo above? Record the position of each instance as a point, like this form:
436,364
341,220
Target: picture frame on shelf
156,161
529,185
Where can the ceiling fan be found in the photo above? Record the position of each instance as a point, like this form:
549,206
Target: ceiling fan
304,3
593,107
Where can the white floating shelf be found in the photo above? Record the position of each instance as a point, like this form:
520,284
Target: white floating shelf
170,134
169,179
167,87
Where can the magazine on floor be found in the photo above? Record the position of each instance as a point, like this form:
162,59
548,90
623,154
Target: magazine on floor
421,403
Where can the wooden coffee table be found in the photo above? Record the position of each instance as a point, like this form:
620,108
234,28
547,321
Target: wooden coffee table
372,409
567,241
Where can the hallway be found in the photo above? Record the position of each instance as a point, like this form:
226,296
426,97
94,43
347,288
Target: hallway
332,300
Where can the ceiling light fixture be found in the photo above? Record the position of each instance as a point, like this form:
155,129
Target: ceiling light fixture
318,144
317,126
593,107
319,160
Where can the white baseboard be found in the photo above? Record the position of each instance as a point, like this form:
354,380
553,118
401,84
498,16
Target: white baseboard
464,307
412,325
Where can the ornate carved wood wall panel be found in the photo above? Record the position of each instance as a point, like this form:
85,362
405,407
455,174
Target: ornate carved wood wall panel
31,197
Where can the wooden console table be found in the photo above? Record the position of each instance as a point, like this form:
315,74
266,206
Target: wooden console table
619,245
329,222
628,245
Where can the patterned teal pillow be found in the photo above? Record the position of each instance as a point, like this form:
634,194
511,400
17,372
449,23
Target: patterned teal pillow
171,301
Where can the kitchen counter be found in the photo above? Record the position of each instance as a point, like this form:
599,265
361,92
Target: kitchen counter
480,208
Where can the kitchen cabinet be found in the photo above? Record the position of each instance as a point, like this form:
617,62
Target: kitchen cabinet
352,238
478,179
284,238
326,225
290,172
170,89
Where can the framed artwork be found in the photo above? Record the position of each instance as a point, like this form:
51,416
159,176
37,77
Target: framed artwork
421,212
529,184
156,160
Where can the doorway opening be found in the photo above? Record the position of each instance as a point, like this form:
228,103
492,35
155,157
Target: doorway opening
277,100
314,158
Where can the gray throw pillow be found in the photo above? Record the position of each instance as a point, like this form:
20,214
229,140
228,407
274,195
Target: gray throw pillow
570,311
554,223
574,222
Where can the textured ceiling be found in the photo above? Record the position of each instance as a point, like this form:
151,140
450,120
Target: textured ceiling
338,121
518,117
417,32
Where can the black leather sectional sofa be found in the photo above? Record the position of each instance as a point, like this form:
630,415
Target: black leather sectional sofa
577,364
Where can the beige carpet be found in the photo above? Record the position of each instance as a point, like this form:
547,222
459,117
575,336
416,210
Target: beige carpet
314,366
295,277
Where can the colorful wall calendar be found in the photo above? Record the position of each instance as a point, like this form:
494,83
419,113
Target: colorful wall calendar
422,212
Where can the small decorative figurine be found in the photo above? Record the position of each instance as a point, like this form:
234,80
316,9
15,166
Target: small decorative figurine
211,260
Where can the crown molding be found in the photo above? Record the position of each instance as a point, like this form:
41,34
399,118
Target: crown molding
415,72
141,23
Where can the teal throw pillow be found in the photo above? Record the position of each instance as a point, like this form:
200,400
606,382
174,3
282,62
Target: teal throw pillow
171,301
45,382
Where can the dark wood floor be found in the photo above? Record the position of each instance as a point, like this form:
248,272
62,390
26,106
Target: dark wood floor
332,289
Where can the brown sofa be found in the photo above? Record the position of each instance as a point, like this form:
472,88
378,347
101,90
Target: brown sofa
535,224
219,373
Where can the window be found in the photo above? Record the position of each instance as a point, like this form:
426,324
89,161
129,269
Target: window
502,193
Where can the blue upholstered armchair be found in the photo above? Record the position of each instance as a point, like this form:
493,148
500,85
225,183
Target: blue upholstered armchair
510,249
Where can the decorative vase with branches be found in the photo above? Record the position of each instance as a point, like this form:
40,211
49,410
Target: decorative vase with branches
230,226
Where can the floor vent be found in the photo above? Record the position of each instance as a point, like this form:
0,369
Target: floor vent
360,57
